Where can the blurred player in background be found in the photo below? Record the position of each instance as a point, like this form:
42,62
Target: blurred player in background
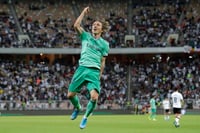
177,103
153,108
91,65
166,107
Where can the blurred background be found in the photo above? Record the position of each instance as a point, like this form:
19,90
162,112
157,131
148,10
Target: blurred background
154,45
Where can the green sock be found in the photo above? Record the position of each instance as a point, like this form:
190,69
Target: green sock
152,116
90,107
75,101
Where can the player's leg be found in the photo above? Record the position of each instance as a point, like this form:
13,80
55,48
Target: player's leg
90,107
154,115
75,86
76,103
93,86
177,119
92,102
177,113
150,114
165,116
168,114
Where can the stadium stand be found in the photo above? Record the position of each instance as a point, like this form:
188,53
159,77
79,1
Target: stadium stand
49,24
39,81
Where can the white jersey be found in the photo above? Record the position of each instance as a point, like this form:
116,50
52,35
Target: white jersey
166,104
176,99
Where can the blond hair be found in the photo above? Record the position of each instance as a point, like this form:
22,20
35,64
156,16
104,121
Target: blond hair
105,25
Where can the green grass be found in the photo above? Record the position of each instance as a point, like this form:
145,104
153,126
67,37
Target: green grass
97,124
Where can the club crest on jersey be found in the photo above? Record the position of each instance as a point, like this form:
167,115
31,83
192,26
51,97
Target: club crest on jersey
93,46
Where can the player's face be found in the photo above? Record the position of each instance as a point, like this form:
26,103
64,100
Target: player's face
97,27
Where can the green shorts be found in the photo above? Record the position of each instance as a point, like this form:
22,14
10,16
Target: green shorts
153,110
85,76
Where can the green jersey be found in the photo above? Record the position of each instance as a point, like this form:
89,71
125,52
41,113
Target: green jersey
153,103
92,50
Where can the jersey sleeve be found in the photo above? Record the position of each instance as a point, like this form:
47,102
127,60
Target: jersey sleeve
84,35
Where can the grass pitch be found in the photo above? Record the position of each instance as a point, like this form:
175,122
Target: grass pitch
98,124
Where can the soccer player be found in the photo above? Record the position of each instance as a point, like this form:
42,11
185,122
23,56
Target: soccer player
177,102
153,108
91,65
166,107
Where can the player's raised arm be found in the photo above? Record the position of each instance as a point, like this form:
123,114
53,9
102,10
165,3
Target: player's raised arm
77,24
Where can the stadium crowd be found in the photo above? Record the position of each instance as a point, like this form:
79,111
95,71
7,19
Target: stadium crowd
35,81
161,78
22,83
49,24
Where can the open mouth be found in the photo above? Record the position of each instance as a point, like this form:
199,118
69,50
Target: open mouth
94,30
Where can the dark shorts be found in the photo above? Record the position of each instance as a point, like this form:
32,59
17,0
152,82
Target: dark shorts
166,110
177,110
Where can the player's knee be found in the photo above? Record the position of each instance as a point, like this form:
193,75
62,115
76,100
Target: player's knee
94,95
94,98
70,95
